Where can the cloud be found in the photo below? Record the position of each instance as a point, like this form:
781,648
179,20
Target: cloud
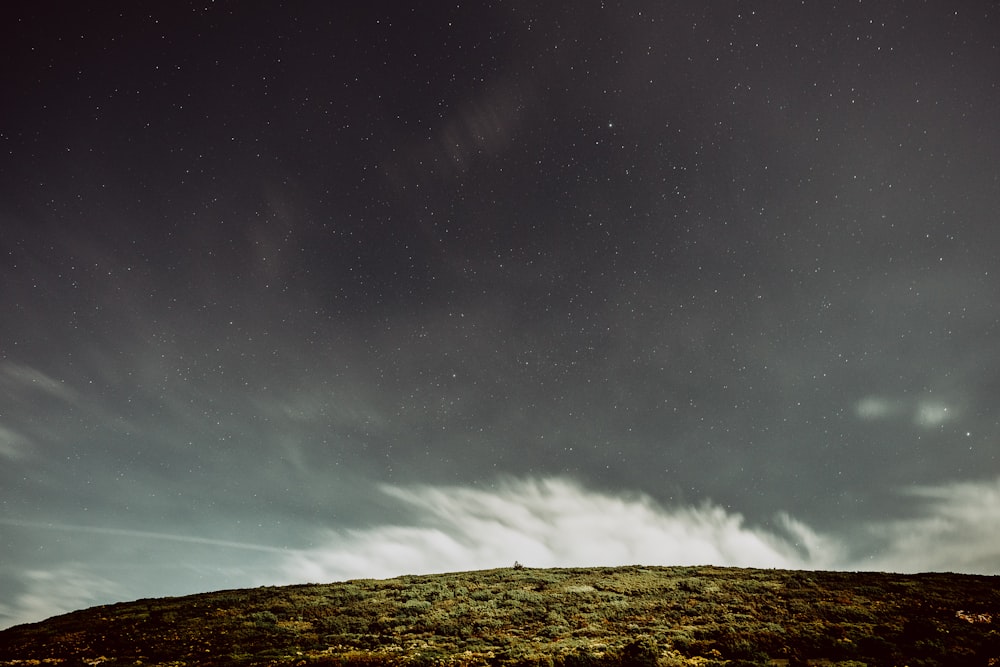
12,444
103,565
932,413
955,530
54,591
19,378
541,522
926,413
143,534
874,407
553,522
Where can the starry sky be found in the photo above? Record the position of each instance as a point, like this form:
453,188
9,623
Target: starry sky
298,292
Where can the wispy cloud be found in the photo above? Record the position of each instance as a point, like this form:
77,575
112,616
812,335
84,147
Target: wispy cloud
143,534
12,444
105,569
20,378
551,523
956,528
56,591
555,522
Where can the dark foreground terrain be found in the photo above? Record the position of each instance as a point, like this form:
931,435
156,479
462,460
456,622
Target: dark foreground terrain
594,617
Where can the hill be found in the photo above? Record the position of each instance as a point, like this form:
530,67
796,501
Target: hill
578,617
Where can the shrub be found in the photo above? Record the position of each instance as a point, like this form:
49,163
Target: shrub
264,619
641,652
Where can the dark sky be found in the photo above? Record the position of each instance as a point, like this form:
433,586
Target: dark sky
300,292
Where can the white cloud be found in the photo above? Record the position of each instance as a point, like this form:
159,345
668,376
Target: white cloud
557,523
552,523
957,529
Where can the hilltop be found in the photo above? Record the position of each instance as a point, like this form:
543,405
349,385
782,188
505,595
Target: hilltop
576,617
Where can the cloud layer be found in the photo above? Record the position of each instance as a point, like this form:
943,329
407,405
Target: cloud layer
553,523
954,528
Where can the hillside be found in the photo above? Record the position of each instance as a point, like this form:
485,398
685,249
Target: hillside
591,617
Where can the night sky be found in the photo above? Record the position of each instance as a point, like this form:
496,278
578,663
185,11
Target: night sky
297,292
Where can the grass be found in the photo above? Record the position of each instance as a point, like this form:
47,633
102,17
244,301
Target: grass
524,617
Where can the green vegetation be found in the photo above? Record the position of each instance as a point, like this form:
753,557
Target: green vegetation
523,617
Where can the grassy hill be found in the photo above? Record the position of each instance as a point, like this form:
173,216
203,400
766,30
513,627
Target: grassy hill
587,617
